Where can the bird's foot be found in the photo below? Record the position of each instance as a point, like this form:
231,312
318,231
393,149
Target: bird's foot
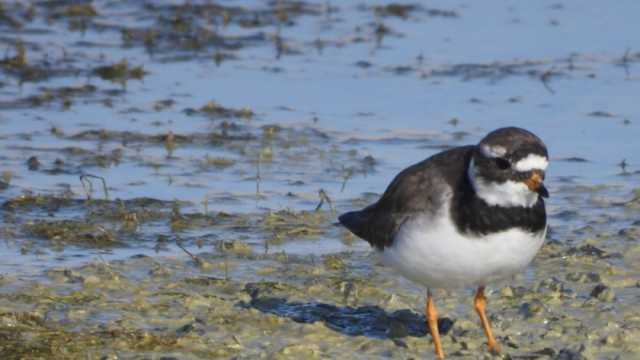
494,347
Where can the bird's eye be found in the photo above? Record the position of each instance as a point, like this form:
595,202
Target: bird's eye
502,164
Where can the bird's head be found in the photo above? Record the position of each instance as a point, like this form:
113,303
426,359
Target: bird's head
508,168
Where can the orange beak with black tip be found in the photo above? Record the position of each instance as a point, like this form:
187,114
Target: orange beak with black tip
534,183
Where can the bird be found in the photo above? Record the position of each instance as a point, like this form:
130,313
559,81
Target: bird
464,217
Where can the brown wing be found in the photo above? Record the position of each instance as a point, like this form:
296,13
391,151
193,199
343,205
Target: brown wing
416,189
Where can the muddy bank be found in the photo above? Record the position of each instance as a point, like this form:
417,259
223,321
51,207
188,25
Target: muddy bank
236,302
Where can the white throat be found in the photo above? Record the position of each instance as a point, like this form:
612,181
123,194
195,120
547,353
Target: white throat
508,193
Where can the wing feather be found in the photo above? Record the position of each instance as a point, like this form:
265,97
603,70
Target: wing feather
418,189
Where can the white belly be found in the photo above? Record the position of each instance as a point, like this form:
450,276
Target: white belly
433,254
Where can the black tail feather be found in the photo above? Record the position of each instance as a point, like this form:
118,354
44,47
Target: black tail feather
357,222
352,220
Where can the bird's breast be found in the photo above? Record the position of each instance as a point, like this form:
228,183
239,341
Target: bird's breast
433,252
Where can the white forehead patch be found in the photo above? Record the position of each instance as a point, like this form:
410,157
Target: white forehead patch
493,151
532,162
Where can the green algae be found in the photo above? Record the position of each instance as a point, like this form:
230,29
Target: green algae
31,200
295,224
120,72
79,10
68,231
214,109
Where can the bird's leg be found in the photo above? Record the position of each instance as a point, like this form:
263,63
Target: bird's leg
432,322
480,304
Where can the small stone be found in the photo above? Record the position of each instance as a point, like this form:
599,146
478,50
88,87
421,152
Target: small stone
333,262
553,284
316,289
159,271
568,354
237,247
631,233
598,290
612,340
77,315
33,163
300,350
91,280
603,293
470,344
583,277
393,302
506,292
531,309
465,325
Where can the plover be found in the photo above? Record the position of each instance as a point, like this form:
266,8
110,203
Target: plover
463,217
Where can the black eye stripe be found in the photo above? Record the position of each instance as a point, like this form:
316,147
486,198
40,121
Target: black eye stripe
502,164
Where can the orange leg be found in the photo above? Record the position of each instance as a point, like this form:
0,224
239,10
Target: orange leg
432,322
480,303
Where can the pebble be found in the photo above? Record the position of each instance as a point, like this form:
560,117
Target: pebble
583,277
603,293
91,280
531,309
568,354
630,233
506,292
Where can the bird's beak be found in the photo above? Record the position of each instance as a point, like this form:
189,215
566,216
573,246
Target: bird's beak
534,183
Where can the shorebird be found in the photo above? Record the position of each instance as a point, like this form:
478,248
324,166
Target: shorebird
463,217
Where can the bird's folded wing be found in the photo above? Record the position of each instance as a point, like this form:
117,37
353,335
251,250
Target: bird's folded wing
417,190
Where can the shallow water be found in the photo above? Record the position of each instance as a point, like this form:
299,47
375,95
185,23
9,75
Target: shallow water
308,96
